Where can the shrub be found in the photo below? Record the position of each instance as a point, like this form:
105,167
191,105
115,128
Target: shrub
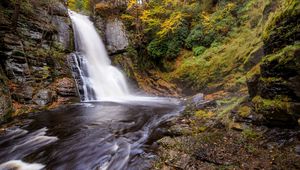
167,47
198,50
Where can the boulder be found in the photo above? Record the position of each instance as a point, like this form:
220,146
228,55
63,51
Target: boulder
23,94
66,87
275,90
17,69
44,97
116,37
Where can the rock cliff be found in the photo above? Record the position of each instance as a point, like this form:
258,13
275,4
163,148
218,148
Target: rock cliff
35,41
124,52
275,88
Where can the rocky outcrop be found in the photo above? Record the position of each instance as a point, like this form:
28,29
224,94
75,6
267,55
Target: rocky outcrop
110,26
283,29
149,81
275,89
34,50
118,41
116,37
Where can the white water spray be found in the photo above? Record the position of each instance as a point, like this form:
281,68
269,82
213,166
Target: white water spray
99,78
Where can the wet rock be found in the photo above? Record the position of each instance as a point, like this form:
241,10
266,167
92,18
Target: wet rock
204,155
34,35
23,94
116,37
252,84
34,56
66,87
196,99
100,24
44,97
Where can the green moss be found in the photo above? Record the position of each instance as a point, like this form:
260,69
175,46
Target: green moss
203,114
269,107
283,28
250,134
285,55
217,62
234,103
254,71
244,111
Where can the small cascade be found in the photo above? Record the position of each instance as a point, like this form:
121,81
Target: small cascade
79,68
96,78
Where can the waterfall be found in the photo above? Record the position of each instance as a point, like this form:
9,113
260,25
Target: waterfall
98,78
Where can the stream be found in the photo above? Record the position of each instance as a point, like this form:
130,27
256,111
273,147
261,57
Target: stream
111,129
94,135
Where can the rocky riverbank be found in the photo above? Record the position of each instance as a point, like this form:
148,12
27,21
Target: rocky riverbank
213,134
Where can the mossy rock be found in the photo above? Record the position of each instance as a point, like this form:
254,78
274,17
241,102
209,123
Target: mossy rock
284,28
279,75
277,112
272,87
285,63
244,111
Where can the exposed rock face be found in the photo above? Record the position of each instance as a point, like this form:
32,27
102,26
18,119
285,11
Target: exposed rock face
44,97
33,58
254,58
107,19
116,36
110,26
149,81
275,90
66,87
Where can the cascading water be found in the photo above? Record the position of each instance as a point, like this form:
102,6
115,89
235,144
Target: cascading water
99,79
114,135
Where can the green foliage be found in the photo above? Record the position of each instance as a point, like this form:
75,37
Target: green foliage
283,28
169,46
165,23
213,27
79,5
250,134
198,50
